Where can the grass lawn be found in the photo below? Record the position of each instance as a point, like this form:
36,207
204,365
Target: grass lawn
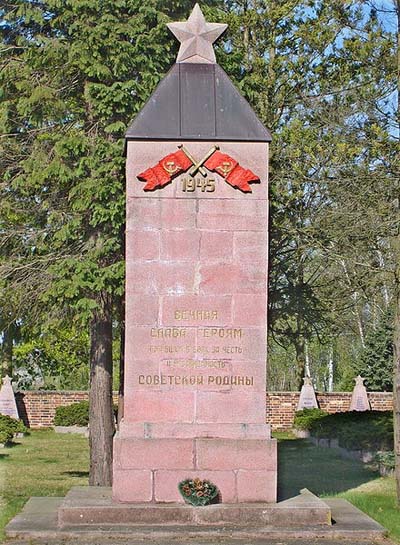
377,498
326,473
49,464
41,464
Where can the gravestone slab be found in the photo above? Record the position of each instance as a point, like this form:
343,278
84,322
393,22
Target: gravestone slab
359,398
307,398
8,405
196,291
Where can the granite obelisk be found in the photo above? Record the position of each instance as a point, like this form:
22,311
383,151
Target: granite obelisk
196,287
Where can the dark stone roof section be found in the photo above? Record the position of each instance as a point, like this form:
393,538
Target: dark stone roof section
197,102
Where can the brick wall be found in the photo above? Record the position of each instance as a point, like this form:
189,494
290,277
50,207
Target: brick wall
281,406
37,408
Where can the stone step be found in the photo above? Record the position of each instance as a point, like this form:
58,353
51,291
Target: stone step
94,506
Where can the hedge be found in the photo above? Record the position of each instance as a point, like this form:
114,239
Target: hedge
368,430
76,414
304,418
9,427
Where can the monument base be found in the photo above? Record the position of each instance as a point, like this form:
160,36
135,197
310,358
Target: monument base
301,517
149,468
94,506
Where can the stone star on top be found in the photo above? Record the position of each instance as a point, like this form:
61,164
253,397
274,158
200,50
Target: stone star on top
196,37
6,381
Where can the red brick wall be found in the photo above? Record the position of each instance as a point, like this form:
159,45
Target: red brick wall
281,406
37,408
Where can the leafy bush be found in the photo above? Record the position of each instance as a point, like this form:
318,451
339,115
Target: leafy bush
304,418
76,414
9,427
386,459
369,430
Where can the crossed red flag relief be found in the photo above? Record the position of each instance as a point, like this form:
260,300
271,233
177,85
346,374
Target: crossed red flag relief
182,161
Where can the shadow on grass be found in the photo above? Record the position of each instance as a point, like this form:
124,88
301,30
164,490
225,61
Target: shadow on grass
76,473
13,444
322,470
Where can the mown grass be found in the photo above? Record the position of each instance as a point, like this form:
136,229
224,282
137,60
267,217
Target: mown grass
326,473
49,464
377,498
41,464
321,470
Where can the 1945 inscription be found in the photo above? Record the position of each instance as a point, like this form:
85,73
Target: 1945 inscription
205,185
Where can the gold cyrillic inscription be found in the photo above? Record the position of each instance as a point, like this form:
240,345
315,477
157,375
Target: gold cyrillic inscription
200,350
196,315
222,333
167,332
197,364
195,380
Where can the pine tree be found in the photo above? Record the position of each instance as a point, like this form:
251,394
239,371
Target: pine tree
75,75
377,358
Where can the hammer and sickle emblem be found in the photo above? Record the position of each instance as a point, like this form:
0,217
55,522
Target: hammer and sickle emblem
170,166
225,168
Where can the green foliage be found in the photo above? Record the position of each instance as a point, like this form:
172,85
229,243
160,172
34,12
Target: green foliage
198,492
9,427
386,460
75,76
376,364
58,358
321,75
305,418
312,74
368,430
76,414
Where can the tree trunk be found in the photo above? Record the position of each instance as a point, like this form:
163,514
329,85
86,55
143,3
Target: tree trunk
331,369
307,370
101,418
396,337
7,351
356,310
396,389
300,340
300,361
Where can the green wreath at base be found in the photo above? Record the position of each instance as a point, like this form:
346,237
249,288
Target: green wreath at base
198,492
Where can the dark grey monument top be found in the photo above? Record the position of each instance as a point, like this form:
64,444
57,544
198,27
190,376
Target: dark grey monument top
197,102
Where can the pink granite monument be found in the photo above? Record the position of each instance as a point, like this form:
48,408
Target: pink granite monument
359,397
8,405
307,399
196,295
196,287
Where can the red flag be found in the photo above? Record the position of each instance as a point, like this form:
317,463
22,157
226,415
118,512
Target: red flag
166,169
231,171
